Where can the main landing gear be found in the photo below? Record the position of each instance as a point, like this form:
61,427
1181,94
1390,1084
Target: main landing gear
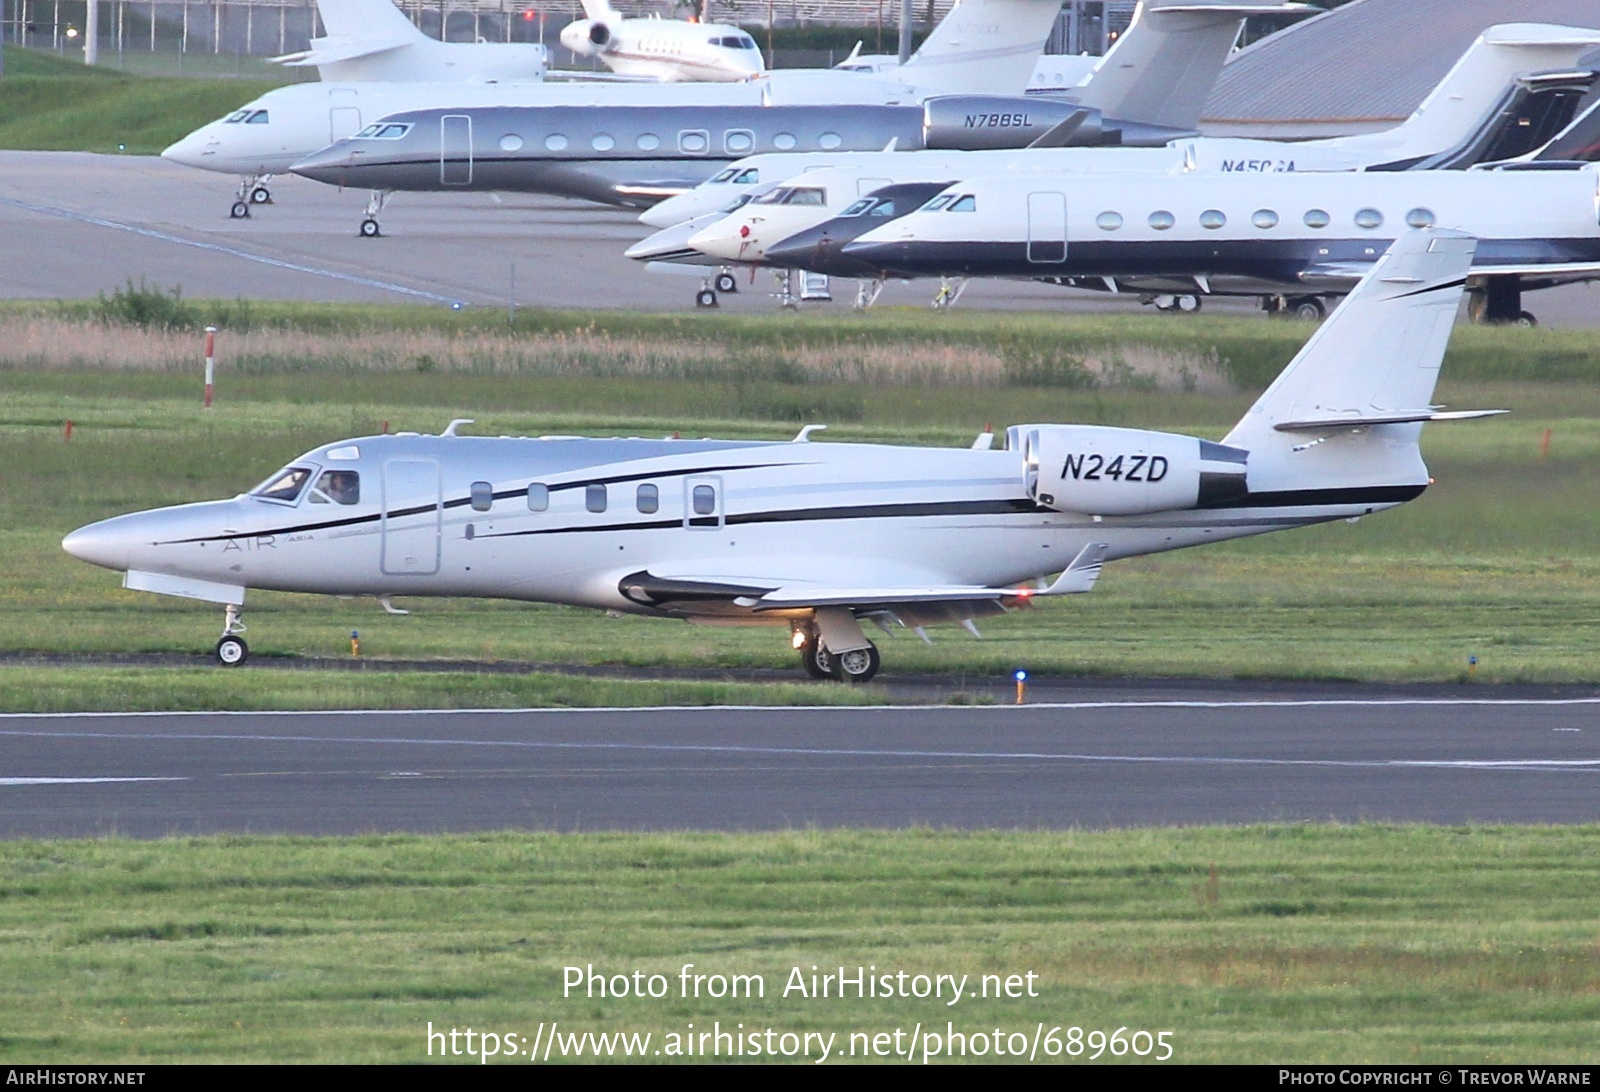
231,651
1183,303
858,665
252,191
1498,301
1304,308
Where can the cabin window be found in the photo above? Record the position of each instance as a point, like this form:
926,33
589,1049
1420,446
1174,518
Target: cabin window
1317,218
594,497
538,497
1212,219
511,142
1369,218
1108,221
257,117
704,500
482,496
555,142
693,142
285,485
648,499
337,487
1161,219
964,203
648,142
829,141
738,141
602,142
784,142
1264,218
1420,218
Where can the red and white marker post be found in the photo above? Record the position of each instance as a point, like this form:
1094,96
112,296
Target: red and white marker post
211,361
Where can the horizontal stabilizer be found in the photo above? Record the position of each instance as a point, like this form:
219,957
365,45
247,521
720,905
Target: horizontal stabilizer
328,51
1401,417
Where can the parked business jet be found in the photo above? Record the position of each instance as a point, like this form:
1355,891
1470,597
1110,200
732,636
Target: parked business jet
662,49
1270,235
815,536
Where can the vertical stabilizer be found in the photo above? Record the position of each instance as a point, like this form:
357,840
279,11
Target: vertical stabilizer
983,47
600,11
366,19
1162,68
1349,407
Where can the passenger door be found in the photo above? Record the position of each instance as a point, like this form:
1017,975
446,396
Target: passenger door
455,150
1047,227
411,517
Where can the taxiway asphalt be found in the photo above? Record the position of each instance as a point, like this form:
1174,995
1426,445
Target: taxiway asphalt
74,224
1122,758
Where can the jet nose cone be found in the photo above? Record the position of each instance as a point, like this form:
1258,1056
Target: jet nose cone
186,151
724,240
102,543
328,165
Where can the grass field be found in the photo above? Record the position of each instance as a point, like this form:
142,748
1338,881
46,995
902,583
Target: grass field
1498,560
1271,944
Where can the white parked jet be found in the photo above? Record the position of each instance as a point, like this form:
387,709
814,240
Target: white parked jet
818,537
662,49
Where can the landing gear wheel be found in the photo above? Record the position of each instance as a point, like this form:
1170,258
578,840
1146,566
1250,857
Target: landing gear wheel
261,196
1525,318
369,228
726,283
817,661
1186,304
240,211
858,665
232,651
1307,308
705,298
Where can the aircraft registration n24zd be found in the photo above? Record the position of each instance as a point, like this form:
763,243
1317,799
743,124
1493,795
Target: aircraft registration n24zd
819,537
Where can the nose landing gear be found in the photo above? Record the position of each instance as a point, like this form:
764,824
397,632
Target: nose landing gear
231,651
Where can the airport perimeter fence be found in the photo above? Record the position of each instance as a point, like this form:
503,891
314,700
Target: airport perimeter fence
234,37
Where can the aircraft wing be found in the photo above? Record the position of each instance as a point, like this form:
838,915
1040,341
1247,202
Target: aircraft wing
328,51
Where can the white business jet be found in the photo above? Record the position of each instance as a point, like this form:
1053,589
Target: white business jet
662,49
372,41
819,537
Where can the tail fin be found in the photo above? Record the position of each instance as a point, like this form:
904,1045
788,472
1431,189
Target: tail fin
600,10
1348,409
983,46
1467,108
1162,68
366,19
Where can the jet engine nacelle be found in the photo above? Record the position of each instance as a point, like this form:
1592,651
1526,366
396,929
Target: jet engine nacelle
975,123
586,37
1100,471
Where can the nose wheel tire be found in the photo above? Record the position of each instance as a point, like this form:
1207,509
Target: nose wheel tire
369,229
858,665
240,211
232,651
726,283
705,298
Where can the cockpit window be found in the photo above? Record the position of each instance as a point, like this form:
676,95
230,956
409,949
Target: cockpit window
748,176
745,41
724,176
285,485
773,198
938,203
884,207
806,195
965,203
257,117
337,487
736,204
859,207
235,117
391,130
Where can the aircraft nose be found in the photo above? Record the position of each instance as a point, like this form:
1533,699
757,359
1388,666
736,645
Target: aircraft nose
186,151
328,165
106,544
723,241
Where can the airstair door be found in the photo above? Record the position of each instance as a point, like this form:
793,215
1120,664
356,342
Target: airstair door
411,517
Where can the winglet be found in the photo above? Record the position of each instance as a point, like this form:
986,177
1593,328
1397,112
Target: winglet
1080,576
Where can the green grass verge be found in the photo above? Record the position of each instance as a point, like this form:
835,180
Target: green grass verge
49,103
1268,944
